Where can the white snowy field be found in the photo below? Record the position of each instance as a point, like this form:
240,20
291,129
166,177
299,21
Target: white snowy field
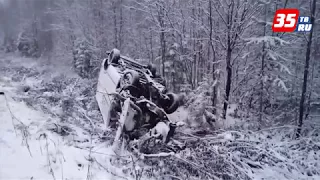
29,151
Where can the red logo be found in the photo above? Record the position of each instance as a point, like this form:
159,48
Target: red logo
285,20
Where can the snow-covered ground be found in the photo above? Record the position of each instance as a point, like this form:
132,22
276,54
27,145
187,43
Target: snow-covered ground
28,150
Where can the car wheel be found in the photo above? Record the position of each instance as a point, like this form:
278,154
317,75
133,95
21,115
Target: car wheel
152,69
173,103
114,56
129,78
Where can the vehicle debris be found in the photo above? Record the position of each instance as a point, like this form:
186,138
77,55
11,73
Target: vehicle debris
134,98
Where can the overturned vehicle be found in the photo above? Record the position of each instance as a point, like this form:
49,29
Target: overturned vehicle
133,98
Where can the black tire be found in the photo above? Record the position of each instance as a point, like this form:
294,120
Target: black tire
129,78
173,103
152,69
114,56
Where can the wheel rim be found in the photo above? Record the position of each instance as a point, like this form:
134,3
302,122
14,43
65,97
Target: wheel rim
126,80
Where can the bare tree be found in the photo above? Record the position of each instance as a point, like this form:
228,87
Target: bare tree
306,73
235,15
263,62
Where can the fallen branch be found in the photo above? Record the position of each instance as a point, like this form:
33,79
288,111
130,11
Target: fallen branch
162,154
89,119
95,152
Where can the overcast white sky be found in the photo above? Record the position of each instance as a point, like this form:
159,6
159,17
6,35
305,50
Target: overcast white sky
2,1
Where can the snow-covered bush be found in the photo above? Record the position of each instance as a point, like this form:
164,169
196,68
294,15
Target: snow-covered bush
9,45
199,103
72,100
68,94
28,45
21,73
238,155
82,57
